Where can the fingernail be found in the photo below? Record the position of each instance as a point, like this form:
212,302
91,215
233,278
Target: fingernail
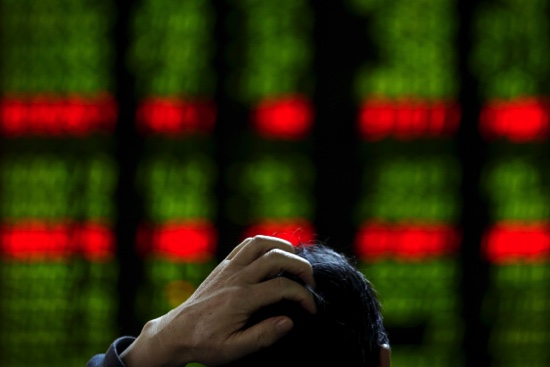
284,325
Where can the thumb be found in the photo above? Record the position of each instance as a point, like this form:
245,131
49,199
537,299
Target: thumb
265,333
282,326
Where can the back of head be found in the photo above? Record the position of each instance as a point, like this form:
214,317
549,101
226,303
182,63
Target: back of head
346,331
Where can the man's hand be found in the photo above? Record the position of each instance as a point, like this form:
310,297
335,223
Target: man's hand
208,327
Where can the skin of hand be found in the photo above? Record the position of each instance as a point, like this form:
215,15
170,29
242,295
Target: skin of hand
208,327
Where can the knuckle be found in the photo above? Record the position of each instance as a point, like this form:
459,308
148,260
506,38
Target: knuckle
235,295
287,288
273,253
272,258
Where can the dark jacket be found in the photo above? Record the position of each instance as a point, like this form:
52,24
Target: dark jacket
112,357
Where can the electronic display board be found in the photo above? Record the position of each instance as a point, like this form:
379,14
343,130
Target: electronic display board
407,239
218,105
57,178
176,175
511,59
272,176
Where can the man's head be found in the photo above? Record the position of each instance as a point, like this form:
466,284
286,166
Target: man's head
346,331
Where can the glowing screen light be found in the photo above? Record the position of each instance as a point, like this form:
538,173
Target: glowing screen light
294,231
511,242
288,118
55,78
276,42
406,242
91,305
227,99
55,116
517,245
171,55
420,302
178,256
273,79
511,57
178,202
382,118
56,47
517,304
174,116
408,246
57,263
177,179
409,89
399,186
272,192
515,185
191,240
37,241
56,255
520,120
407,116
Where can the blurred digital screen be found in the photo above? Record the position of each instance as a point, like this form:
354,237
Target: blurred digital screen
218,105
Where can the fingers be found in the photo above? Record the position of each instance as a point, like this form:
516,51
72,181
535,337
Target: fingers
268,256
281,288
276,261
252,248
268,331
238,248
262,334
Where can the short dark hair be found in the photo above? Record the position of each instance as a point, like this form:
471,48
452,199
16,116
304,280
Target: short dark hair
347,329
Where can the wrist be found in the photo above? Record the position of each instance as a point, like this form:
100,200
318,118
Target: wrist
151,350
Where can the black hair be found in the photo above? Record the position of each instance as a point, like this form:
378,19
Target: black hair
347,329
